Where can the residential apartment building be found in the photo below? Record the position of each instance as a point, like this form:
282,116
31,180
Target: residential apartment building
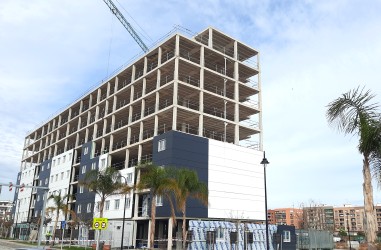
188,102
5,210
320,217
286,216
350,218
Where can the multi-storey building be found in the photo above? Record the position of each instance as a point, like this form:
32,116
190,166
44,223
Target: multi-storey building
5,210
350,218
319,217
286,216
189,102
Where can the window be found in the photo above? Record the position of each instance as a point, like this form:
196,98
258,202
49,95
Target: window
117,204
83,169
103,163
128,202
220,233
38,198
86,151
129,178
89,207
46,181
56,177
62,175
107,205
286,236
51,178
159,200
48,165
161,145
58,161
81,189
64,159
79,209
42,168
67,173
93,165
54,163
69,158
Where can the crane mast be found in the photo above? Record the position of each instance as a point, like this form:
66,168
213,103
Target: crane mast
126,24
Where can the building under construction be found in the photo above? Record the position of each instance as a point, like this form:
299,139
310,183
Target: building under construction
188,102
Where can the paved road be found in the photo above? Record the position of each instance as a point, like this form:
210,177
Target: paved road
11,245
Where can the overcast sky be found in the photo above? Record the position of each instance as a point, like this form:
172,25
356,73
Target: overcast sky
52,52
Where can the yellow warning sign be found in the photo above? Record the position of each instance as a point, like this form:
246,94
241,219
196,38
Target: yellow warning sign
100,223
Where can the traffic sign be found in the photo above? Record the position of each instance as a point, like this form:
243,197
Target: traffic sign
100,223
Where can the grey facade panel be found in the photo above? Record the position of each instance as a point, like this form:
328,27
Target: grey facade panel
183,150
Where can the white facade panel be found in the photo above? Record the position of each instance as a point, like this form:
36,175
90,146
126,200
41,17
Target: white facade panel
23,198
59,181
114,204
236,182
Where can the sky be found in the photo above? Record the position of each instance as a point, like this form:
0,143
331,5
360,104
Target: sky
311,52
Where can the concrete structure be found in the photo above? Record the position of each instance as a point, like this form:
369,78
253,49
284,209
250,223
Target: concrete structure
189,102
5,210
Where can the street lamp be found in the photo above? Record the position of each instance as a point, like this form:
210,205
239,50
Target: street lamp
349,235
124,212
264,162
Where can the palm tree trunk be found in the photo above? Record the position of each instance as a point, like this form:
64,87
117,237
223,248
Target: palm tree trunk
55,226
184,225
370,215
153,219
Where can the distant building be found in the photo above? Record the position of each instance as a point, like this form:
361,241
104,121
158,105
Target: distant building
349,215
286,216
318,217
5,210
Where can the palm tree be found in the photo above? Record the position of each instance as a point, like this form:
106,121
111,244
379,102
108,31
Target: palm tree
353,113
157,180
105,183
60,205
187,185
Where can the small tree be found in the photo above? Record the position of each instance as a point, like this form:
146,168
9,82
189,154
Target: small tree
60,205
157,180
187,185
105,183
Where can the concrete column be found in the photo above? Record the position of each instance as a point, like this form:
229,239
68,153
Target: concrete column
87,135
99,94
132,93
104,126
95,131
115,103
158,79
128,136
103,145
145,66
96,113
141,129
69,115
108,89
106,107
142,109
210,41
133,73
177,46
202,56
159,53
156,126
112,123
126,158
236,56
140,149
65,145
90,100
116,87
110,146
144,89
131,109
76,140
157,102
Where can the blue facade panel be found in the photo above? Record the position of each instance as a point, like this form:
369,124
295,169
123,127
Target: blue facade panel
183,150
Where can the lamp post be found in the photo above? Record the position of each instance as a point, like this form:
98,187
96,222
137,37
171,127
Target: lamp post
349,235
124,213
264,162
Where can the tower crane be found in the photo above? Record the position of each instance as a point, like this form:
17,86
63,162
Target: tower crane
126,24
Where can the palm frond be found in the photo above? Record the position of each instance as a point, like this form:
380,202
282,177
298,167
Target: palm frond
345,112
